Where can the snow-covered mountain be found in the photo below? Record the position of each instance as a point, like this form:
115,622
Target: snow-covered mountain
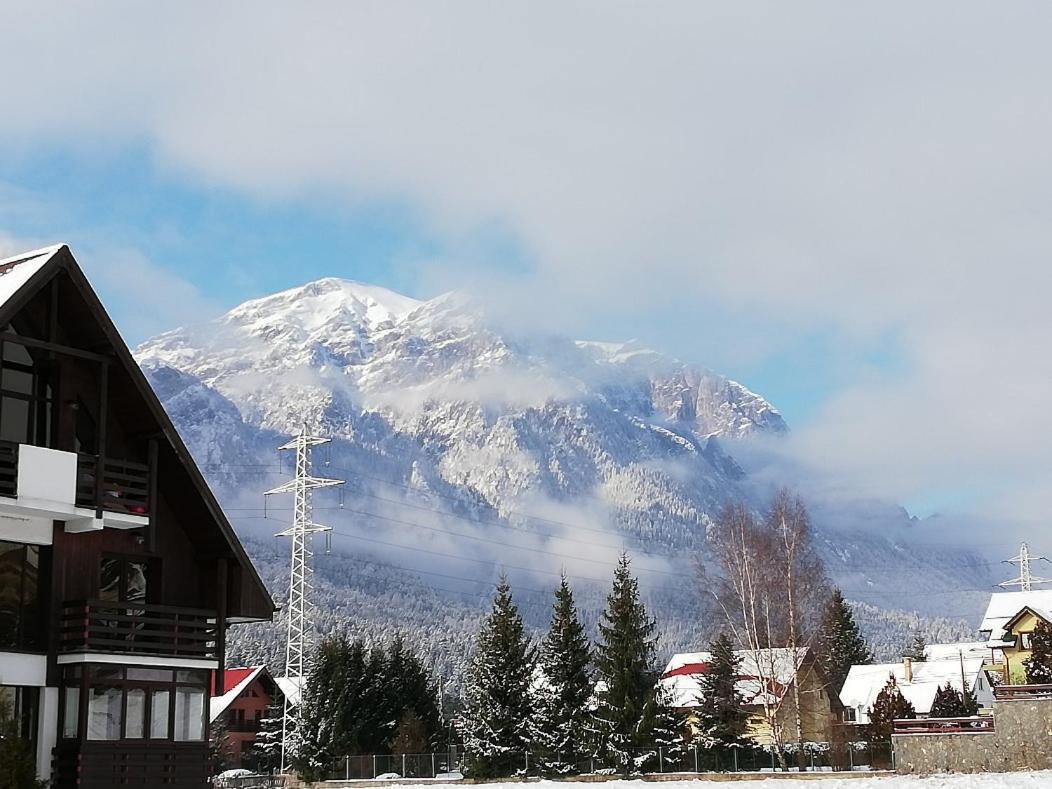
469,449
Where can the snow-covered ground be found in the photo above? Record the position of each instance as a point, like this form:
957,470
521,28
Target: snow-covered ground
1032,780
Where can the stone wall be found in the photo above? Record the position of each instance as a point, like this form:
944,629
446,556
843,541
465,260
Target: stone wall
1021,740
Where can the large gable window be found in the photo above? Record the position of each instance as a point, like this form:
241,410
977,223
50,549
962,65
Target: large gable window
19,596
25,397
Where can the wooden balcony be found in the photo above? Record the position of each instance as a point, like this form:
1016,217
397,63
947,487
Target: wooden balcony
138,629
975,725
112,485
8,469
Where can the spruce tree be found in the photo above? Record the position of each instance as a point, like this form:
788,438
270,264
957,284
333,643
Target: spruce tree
624,658
265,754
720,713
670,731
889,706
559,730
948,703
841,644
969,704
320,737
410,736
495,720
915,647
1039,665
16,754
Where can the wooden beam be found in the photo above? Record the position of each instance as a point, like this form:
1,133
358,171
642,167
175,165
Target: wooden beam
221,606
151,497
100,448
53,346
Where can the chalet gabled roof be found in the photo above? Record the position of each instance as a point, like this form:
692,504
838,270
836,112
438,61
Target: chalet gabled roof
236,682
21,278
1040,613
1005,605
763,675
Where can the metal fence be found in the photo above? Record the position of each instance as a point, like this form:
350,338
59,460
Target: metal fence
250,782
816,757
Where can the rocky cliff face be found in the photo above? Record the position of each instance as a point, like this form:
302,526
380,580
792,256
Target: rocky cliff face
468,449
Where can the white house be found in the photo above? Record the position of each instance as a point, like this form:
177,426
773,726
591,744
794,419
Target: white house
918,681
1005,605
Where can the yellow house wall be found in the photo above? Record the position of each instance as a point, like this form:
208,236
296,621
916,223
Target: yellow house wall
1015,656
816,717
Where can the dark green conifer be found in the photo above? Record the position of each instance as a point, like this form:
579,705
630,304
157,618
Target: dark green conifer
915,648
889,706
721,716
624,657
1039,665
841,644
495,720
559,730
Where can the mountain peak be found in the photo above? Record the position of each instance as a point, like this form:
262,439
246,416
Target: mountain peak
317,303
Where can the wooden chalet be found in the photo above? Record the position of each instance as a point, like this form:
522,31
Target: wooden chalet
119,573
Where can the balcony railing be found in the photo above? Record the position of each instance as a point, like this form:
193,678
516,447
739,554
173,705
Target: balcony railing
8,468
243,726
1022,692
943,726
114,485
138,628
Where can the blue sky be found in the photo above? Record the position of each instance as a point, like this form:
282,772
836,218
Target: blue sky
844,211
232,247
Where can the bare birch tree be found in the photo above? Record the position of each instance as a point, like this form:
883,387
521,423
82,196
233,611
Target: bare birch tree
771,590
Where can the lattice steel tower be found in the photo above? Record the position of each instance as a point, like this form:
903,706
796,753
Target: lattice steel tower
302,532
1026,579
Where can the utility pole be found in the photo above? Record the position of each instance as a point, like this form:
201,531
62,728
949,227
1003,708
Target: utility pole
1026,579
302,532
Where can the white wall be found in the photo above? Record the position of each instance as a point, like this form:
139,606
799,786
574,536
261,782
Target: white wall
47,731
18,668
23,528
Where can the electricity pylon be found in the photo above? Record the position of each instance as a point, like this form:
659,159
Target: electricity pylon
1026,579
302,532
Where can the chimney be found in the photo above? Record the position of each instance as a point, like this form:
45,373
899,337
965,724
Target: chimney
907,668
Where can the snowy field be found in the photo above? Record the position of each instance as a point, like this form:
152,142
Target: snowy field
1035,780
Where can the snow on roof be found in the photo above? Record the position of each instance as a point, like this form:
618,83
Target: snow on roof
17,270
967,648
291,688
864,683
682,676
235,681
1004,605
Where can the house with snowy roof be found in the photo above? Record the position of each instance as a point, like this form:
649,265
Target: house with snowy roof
766,680
237,708
918,680
1008,626
120,575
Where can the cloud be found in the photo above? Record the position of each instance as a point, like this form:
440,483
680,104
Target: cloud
851,169
149,297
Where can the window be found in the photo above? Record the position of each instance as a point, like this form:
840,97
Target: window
189,714
159,715
122,579
135,703
70,711
25,397
1026,640
135,713
849,715
21,704
104,713
19,596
